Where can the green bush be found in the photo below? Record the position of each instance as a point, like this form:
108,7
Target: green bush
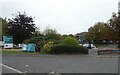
68,46
47,47
70,41
61,49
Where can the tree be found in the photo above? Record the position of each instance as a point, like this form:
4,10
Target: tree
0,29
114,25
104,31
71,35
3,27
94,33
51,35
21,27
99,32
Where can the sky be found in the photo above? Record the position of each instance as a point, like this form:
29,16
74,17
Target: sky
66,16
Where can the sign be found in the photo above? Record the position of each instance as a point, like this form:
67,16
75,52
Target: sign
29,47
8,41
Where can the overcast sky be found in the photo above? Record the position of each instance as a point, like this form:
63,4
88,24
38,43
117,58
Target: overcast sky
66,16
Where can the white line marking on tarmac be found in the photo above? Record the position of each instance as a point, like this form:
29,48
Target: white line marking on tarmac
11,68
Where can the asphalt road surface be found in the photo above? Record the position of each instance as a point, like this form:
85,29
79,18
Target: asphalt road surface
60,63
92,63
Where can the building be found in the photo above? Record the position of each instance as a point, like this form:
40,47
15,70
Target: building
81,37
119,6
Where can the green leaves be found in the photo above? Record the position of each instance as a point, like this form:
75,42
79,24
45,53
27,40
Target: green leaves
21,27
95,32
109,31
70,41
3,27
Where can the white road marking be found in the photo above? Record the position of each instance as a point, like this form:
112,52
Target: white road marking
11,68
26,65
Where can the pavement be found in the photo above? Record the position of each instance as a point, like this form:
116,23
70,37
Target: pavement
111,46
91,63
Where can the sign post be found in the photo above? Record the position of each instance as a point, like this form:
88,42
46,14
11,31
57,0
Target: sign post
8,41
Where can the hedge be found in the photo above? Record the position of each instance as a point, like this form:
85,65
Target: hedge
61,49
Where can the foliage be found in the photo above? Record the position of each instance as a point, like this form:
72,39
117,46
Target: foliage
114,24
70,45
71,35
21,27
61,49
3,27
64,36
94,33
37,39
51,34
47,47
100,32
70,41
0,26
109,31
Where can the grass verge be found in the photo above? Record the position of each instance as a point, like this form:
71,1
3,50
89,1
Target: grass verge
101,45
15,52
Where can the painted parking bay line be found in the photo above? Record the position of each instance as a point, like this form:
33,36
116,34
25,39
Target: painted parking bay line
11,68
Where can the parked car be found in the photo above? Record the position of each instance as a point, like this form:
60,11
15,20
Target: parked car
89,46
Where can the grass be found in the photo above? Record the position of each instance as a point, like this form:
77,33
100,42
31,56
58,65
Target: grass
101,45
10,51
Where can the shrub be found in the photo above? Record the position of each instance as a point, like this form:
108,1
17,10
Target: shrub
47,47
61,49
70,41
69,46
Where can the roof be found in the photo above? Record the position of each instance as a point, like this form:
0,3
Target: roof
81,34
